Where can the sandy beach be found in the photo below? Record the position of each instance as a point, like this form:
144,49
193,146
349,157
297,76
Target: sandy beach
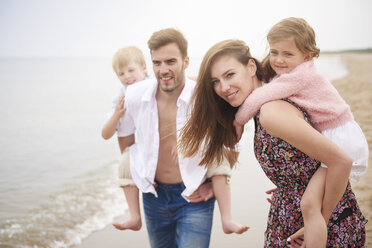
249,183
356,89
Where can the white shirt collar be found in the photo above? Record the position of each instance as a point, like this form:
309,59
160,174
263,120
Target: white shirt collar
150,92
185,95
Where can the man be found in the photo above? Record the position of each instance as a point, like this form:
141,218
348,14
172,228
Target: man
156,110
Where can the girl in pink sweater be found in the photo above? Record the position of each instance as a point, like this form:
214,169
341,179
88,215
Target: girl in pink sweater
292,74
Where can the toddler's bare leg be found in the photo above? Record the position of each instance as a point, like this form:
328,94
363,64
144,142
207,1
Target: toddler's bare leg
134,222
131,193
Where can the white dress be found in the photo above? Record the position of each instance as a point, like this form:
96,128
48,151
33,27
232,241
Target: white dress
350,138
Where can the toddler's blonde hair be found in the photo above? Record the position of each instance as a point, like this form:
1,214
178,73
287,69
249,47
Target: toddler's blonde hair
126,55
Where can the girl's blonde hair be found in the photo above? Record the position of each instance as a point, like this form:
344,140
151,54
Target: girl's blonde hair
210,125
292,27
126,55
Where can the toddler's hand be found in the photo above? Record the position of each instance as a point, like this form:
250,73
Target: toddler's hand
119,108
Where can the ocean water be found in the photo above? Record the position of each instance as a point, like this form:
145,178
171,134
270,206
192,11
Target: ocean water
57,173
58,176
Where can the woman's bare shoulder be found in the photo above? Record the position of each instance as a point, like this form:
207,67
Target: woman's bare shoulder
276,113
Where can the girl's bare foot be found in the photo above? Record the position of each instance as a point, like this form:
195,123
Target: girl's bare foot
134,224
230,226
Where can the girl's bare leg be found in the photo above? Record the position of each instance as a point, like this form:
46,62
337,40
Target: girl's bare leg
311,204
222,192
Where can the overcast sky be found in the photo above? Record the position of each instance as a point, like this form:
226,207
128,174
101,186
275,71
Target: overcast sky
97,28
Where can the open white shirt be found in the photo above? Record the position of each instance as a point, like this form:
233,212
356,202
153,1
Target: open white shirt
141,117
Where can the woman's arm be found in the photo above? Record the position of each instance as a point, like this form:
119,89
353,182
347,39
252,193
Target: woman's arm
285,121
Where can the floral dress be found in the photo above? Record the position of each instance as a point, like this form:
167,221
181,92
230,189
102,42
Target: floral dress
290,170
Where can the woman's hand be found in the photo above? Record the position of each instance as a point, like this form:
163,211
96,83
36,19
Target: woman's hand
297,240
271,192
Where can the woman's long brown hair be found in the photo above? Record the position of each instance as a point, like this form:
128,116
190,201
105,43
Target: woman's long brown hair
210,127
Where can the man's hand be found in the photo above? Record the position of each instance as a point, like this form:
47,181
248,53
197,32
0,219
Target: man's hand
203,193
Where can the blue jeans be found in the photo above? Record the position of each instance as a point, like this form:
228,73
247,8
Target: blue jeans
173,222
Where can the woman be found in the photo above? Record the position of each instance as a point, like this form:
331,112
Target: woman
287,147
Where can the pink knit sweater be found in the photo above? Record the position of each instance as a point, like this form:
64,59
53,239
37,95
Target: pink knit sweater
305,86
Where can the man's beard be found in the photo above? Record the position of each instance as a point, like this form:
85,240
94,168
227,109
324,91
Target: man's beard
178,82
